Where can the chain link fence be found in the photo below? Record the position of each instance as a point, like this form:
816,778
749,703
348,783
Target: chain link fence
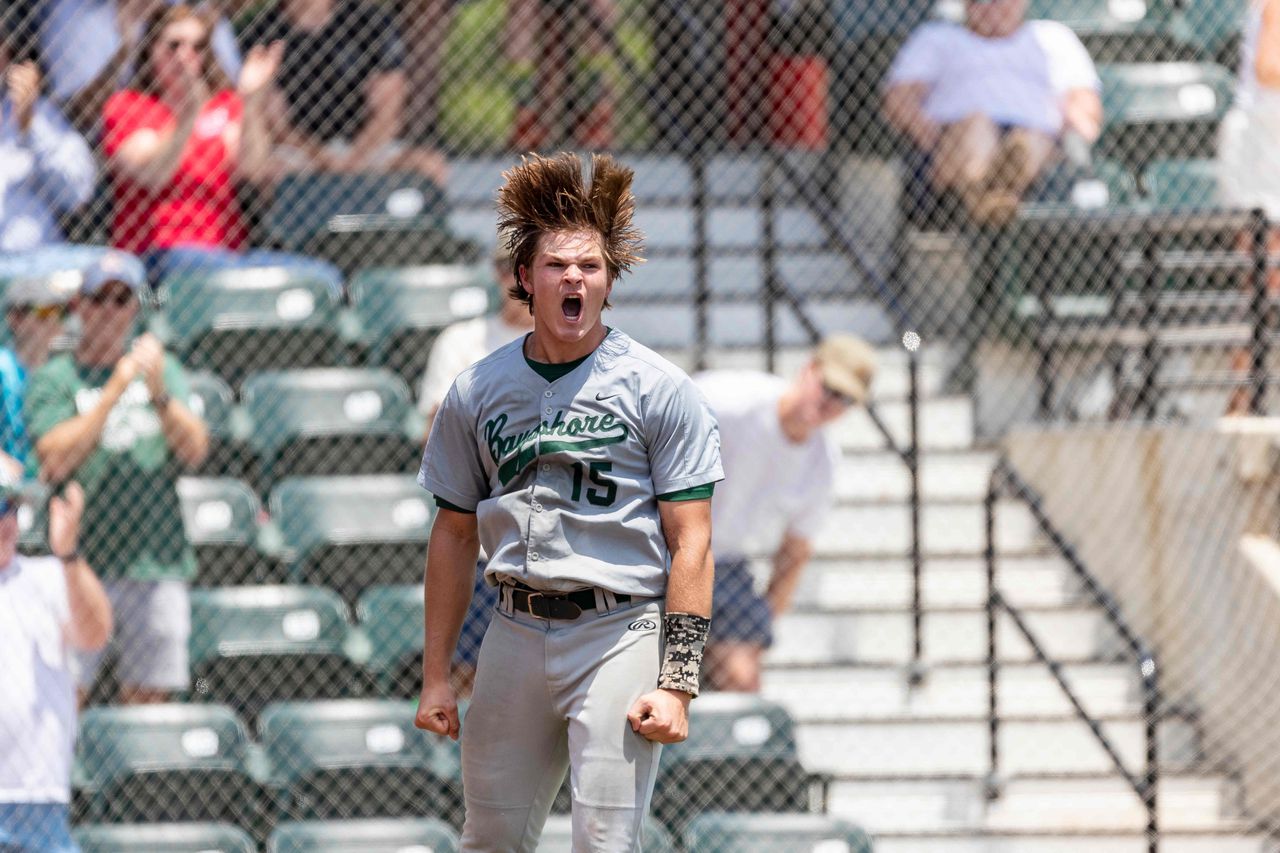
290,203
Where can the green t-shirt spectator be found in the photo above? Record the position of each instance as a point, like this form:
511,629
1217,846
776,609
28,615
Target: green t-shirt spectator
132,525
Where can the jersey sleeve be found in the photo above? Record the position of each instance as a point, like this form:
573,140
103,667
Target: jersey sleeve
451,464
683,438
122,116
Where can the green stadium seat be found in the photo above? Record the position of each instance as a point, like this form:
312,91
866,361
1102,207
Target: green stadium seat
254,645
1182,183
364,836
397,217
1154,110
391,617
331,421
164,838
557,836
239,320
221,519
1120,30
213,400
352,533
359,759
162,763
743,832
401,310
1215,25
740,756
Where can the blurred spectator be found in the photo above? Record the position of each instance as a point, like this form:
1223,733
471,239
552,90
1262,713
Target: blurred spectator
49,606
458,347
113,415
775,509
426,25
91,49
48,168
340,102
34,311
989,104
1249,144
180,136
560,49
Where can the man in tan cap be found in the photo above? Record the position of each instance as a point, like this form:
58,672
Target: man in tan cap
779,463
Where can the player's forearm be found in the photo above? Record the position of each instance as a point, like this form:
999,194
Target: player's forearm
450,574
788,565
690,583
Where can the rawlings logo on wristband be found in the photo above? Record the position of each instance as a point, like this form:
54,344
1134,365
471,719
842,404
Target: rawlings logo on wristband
686,636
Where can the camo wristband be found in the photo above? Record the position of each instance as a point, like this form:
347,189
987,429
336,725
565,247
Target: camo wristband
686,636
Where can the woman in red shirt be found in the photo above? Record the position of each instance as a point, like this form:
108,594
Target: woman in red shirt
180,136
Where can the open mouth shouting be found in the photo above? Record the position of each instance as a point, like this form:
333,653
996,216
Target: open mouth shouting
572,308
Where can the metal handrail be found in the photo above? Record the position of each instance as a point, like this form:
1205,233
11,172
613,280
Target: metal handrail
775,291
1145,785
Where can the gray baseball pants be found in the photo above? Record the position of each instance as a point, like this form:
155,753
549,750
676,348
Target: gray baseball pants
551,695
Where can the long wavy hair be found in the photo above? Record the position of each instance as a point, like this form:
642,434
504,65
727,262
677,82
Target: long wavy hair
144,77
546,195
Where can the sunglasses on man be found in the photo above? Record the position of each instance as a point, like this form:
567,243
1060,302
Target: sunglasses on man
42,312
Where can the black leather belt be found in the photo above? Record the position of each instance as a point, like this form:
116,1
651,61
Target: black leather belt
559,605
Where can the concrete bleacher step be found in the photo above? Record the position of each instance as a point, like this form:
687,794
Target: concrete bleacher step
1187,801
831,694
945,528
1026,581
1050,842
905,747
891,379
945,475
813,638
946,423
670,324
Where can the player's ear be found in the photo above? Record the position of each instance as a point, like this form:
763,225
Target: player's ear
522,275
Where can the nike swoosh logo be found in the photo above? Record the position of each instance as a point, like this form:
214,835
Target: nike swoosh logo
601,397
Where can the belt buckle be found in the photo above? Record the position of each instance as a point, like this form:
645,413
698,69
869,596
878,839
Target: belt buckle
569,610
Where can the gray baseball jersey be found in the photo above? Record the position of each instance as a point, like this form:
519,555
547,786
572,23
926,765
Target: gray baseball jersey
564,476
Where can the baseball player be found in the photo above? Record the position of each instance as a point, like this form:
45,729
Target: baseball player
584,464
773,510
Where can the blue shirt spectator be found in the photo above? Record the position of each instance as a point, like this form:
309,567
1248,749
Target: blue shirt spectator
46,168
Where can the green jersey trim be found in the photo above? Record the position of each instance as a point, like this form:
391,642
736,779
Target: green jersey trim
694,493
552,372
444,504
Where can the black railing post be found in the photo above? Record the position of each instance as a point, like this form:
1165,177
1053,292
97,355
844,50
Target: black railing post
1259,313
701,280
768,254
1149,369
912,343
1147,670
993,666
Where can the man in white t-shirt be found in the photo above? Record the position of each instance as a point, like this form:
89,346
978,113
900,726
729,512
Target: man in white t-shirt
988,103
49,606
458,347
779,465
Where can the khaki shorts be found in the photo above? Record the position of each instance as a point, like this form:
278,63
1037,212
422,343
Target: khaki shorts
152,629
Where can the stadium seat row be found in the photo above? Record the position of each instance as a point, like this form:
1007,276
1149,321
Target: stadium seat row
353,758
713,832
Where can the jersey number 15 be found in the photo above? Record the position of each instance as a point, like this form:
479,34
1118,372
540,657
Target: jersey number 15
596,472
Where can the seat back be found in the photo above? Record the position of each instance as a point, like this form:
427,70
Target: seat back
1155,110
750,832
332,421
220,515
161,763
363,836
392,619
235,321
359,758
164,838
401,310
1181,184
257,644
354,532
